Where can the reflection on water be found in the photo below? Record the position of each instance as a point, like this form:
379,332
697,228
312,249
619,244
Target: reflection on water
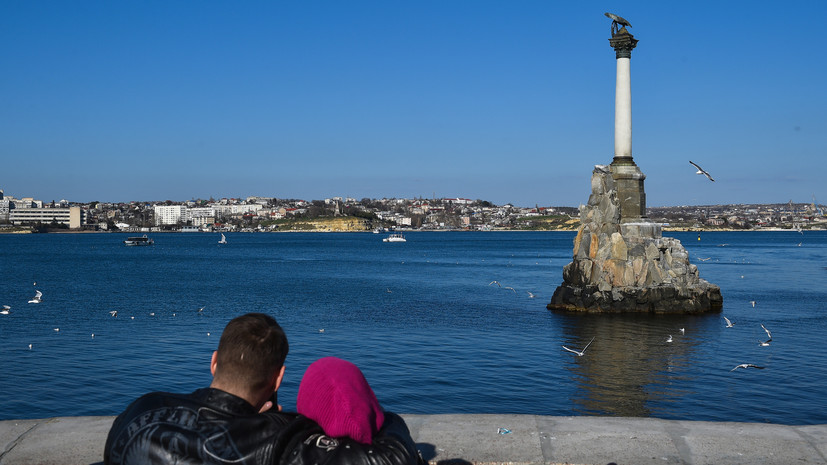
630,365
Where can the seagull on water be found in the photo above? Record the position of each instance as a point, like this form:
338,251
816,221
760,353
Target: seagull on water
579,352
747,365
767,342
729,324
6,310
37,297
701,171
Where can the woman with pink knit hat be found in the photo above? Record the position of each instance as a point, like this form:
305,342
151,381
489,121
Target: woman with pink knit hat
335,394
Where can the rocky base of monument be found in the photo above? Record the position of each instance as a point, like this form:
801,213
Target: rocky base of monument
627,266
656,299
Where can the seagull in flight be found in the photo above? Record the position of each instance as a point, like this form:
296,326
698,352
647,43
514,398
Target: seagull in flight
530,295
37,297
669,339
729,324
495,282
113,313
701,171
683,330
747,365
6,310
510,288
767,342
579,352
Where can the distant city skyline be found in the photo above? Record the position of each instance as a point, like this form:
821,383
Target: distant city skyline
510,103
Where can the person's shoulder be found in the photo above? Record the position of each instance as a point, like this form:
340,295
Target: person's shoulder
307,444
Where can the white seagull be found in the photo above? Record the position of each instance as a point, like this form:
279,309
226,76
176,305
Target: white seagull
669,339
37,297
495,282
767,342
113,313
701,171
683,330
6,310
747,365
729,324
580,352
530,295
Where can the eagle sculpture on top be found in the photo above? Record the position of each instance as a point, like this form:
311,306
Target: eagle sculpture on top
615,21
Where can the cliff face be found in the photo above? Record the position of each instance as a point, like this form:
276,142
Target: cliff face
340,224
628,267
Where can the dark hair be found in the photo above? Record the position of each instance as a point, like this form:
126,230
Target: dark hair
251,350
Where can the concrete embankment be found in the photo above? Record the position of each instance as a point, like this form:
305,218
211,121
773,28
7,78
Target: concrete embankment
495,439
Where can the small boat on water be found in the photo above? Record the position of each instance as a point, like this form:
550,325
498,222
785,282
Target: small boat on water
143,240
223,239
395,238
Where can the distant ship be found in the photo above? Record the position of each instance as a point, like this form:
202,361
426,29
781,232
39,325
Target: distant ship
395,238
138,241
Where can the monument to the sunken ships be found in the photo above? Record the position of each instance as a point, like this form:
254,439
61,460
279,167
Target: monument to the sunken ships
621,262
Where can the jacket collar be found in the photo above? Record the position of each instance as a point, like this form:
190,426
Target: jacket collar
224,401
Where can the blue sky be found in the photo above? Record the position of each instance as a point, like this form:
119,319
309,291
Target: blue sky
494,100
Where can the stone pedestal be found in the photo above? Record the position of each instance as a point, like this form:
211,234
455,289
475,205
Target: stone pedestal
627,266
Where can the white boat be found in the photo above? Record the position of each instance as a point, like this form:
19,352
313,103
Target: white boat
395,238
138,241
223,239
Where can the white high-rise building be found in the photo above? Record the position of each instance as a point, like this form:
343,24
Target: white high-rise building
170,214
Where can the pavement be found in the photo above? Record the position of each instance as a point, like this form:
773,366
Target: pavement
495,439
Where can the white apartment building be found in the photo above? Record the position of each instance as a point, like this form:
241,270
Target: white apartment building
170,214
74,217
236,209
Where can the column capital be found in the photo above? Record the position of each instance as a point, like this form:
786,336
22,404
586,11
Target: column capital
623,43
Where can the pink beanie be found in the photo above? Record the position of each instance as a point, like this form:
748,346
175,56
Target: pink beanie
335,394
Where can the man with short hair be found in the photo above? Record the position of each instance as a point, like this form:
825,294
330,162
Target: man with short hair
231,421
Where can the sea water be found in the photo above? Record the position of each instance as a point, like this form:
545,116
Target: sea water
423,319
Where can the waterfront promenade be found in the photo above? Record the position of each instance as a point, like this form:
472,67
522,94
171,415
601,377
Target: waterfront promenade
495,439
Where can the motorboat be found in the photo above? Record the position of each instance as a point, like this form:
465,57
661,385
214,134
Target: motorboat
143,240
395,238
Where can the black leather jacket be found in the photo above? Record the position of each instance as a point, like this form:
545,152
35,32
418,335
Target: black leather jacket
211,426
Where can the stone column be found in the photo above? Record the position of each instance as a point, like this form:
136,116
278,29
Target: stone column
627,175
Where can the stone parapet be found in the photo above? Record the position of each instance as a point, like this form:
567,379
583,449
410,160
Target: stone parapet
494,439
